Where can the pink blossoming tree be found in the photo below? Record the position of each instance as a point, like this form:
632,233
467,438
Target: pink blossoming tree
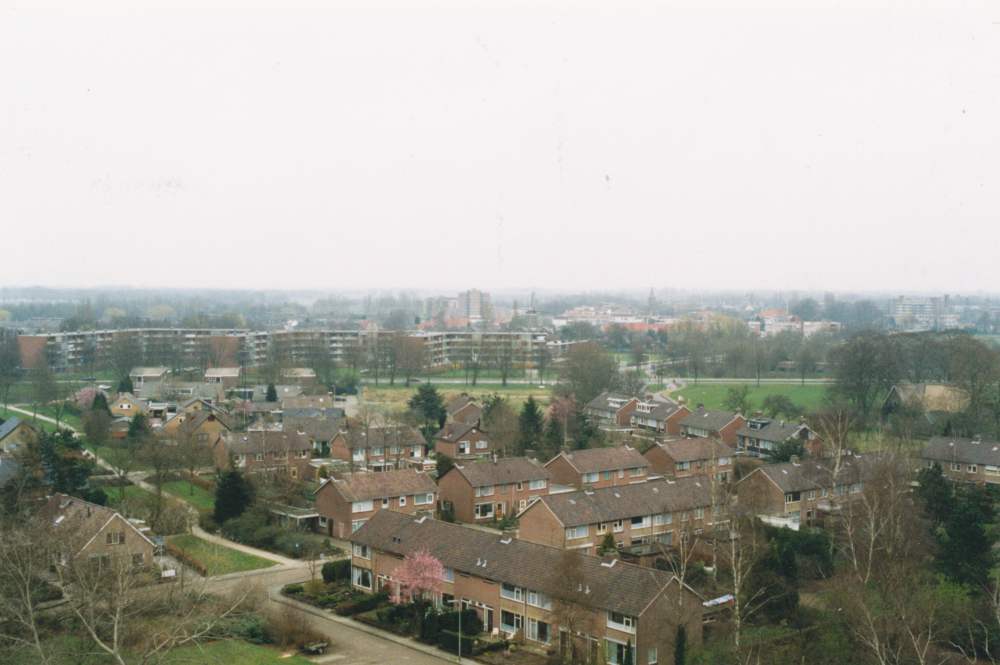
418,578
85,397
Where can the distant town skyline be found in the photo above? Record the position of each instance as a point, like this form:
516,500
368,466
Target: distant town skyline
565,146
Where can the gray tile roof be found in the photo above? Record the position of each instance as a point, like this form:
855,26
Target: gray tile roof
9,426
76,521
602,402
708,419
699,447
453,432
260,392
966,451
317,429
604,459
267,441
367,486
813,474
775,431
660,413
607,504
508,470
623,587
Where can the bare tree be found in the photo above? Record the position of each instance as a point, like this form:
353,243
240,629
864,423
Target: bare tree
412,357
572,605
504,356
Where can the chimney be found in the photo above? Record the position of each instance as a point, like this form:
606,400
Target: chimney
587,487
759,414
564,450
802,420
739,411
701,405
608,557
494,458
529,453
465,394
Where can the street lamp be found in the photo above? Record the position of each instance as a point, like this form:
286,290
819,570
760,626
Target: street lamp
459,601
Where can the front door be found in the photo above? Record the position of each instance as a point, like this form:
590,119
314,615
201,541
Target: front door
488,619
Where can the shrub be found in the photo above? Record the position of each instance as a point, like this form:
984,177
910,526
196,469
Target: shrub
346,608
207,522
449,640
252,628
471,623
288,628
315,588
293,589
336,570
369,602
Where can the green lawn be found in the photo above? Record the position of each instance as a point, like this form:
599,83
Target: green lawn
203,500
131,491
225,652
47,426
219,560
714,395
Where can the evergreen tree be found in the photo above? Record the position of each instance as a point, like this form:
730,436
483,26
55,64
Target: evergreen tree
100,403
529,425
139,430
629,658
608,544
680,645
125,385
233,495
428,404
272,393
64,462
554,437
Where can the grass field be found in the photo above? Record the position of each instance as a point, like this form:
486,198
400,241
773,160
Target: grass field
397,397
215,653
714,395
131,491
201,499
219,560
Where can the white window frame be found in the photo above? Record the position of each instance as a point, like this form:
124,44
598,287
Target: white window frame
538,484
362,551
402,501
362,506
358,577
480,510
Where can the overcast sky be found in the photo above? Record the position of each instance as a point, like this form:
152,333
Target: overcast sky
702,144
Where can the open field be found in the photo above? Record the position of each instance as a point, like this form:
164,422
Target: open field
201,499
396,397
218,560
713,395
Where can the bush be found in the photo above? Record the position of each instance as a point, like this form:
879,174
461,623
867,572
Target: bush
346,608
207,522
197,481
471,623
449,641
315,588
288,628
334,571
370,601
251,628
294,589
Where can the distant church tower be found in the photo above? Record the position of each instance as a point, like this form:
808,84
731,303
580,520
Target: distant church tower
652,301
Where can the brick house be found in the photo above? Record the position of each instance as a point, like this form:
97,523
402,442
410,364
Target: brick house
598,467
310,406
87,532
523,589
691,457
661,419
285,452
481,491
463,410
461,440
205,426
127,405
760,436
611,409
965,460
662,511
721,425
344,504
798,492
381,448
14,434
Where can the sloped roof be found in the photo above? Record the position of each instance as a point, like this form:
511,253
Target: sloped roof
308,402
388,436
775,431
267,441
699,447
368,486
222,372
603,402
9,426
507,470
661,412
607,504
966,451
196,419
129,397
709,419
318,429
932,397
604,459
260,392
813,474
77,521
455,431
622,587
458,404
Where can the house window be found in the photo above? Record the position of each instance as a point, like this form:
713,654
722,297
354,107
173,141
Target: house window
602,528
116,537
640,471
402,501
138,559
972,468
510,622
537,599
723,461
663,518
812,494
322,522
520,486
956,466
640,522
423,499
539,631
362,551
616,653
482,445
511,591
378,451
357,524
363,578
503,488
992,470
699,513
522,504
617,525
463,447
385,503
590,477
448,575
793,497
485,490
576,532
361,506
855,488
685,515
300,454
484,510
621,473
683,466
651,658
259,457
607,475
666,538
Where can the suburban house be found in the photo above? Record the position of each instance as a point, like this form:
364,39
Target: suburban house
482,491
760,436
127,405
659,418
462,440
86,532
196,404
598,467
225,377
143,376
205,426
381,448
14,434
260,392
721,425
798,492
463,410
541,596
320,431
611,409
645,518
699,456
177,391
279,452
926,398
965,460
344,504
